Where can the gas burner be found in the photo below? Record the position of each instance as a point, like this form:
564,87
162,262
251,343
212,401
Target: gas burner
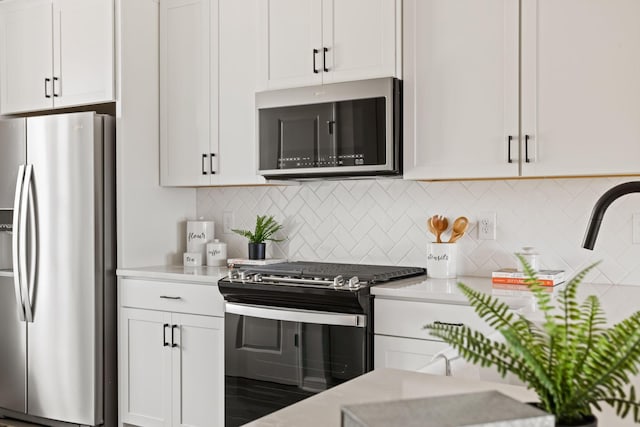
337,282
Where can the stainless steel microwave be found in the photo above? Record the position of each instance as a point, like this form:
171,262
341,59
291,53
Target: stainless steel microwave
350,129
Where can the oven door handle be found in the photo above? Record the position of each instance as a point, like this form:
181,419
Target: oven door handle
294,315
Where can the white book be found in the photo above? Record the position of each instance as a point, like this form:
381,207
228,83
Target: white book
556,275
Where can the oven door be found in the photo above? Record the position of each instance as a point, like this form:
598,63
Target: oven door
275,357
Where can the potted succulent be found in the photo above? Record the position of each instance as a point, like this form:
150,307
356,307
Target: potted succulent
264,230
571,360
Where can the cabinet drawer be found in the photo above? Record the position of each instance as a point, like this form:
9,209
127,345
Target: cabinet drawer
172,296
404,353
406,318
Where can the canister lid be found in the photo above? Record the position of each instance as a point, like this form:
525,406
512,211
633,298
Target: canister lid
528,250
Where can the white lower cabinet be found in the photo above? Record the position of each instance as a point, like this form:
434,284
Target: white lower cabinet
171,363
404,353
400,340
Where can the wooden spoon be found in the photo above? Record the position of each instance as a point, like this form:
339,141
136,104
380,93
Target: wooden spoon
430,226
439,224
460,226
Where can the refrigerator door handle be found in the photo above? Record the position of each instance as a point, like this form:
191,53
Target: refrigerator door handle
29,295
15,242
22,238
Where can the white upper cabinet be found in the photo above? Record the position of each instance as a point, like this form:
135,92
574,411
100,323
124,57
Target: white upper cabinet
307,42
237,79
460,88
360,39
208,61
292,39
55,53
83,41
188,126
581,87
26,54
570,70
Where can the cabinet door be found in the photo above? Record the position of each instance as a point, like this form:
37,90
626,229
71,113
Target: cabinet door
83,40
25,56
581,91
198,370
145,367
404,353
461,88
363,51
237,73
185,90
291,51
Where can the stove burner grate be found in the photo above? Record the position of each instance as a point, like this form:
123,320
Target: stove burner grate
328,271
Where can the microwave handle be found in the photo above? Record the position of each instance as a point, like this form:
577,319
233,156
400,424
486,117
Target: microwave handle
293,315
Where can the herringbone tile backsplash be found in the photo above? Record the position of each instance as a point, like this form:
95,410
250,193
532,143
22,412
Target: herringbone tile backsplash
384,222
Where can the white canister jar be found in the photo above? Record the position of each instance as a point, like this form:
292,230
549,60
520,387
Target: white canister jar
531,257
216,253
199,233
192,259
441,260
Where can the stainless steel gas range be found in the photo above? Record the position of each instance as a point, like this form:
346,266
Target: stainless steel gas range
295,329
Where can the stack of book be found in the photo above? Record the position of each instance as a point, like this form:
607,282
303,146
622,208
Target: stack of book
510,278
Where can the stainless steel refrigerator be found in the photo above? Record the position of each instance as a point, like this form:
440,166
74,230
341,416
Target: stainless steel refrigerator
57,296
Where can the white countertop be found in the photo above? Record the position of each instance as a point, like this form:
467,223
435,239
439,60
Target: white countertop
447,291
421,289
383,385
180,273
618,301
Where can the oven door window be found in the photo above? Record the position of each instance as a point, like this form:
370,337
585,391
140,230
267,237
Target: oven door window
345,133
270,364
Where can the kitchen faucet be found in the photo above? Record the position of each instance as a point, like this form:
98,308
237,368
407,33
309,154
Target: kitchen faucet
600,208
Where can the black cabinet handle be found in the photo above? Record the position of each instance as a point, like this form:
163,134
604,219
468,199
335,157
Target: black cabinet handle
509,138
55,95
526,149
204,161
173,343
324,59
164,335
437,322
211,156
168,297
46,88
315,52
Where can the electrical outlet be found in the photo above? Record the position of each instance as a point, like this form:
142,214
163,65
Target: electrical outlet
227,222
635,228
487,226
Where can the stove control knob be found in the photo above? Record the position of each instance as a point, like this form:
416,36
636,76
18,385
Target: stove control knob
338,281
233,274
257,278
243,275
354,282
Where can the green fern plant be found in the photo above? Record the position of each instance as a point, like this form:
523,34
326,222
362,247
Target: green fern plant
571,360
266,227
